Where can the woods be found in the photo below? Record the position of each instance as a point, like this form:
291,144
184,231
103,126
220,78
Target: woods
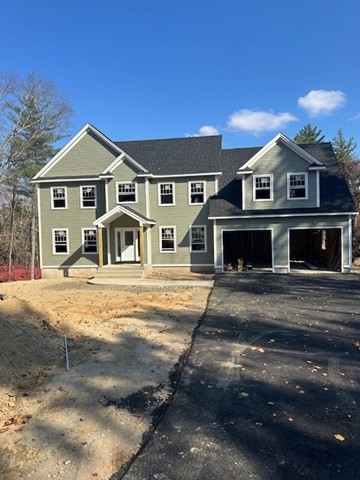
34,115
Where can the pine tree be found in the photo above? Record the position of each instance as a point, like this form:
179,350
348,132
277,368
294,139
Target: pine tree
309,134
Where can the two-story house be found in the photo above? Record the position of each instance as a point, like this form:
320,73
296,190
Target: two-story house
186,202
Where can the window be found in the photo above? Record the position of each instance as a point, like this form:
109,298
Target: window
88,196
166,194
196,192
167,239
126,192
297,186
58,197
263,187
60,241
89,240
198,238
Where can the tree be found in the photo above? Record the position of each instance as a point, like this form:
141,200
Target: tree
345,151
33,116
309,134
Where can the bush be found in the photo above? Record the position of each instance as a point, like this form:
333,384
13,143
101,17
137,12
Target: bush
17,273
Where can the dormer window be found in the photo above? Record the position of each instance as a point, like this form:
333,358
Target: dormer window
297,186
263,187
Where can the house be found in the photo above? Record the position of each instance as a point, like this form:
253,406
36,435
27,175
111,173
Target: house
187,202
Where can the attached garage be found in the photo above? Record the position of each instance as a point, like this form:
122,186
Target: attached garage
315,248
253,246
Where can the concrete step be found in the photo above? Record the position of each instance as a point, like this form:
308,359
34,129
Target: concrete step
119,271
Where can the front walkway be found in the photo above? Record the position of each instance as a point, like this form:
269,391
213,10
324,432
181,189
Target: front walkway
271,388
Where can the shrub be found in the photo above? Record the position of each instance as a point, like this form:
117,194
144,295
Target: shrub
17,273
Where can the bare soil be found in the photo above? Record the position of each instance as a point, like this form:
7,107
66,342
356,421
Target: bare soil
85,422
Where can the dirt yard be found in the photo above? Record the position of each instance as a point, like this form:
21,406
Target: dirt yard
124,343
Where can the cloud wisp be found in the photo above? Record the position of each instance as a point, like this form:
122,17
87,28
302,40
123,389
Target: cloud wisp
322,102
258,121
204,131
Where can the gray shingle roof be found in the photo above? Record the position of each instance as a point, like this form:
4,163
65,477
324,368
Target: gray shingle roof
176,156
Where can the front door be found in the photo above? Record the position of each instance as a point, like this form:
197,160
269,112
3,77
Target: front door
126,245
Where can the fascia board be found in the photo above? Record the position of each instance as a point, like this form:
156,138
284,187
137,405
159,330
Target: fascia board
284,215
180,175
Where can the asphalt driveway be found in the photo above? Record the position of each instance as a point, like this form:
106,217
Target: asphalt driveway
271,388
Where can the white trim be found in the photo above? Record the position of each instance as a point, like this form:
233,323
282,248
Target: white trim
215,242
216,186
52,198
281,266
189,192
243,193
288,175
106,195
119,160
179,175
317,188
317,168
117,192
286,141
147,198
319,214
81,187
115,163
53,230
271,199
39,225
68,179
112,214
244,172
159,194
108,244
350,242
122,230
205,238
162,227
83,240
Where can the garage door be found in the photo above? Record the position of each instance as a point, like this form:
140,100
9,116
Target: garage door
253,246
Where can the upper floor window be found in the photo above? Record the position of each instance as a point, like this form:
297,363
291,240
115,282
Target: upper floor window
58,197
198,238
196,193
88,196
126,192
297,186
263,187
60,241
89,240
166,194
167,239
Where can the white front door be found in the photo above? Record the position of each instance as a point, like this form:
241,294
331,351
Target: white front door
126,245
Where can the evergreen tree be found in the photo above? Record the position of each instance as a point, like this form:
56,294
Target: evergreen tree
309,134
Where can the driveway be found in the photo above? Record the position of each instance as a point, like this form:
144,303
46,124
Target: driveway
271,388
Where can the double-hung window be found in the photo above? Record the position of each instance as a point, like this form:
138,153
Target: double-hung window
126,192
297,186
198,238
166,193
88,196
89,240
167,239
60,240
263,187
196,193
58,197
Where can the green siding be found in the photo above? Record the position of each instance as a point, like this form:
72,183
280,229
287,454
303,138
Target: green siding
280,161
90,156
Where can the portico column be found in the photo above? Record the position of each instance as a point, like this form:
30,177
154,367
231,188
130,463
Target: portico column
100,246
142,245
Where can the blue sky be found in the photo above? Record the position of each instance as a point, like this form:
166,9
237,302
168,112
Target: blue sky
157,69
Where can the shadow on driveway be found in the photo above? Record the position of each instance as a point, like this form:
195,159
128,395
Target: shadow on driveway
271,387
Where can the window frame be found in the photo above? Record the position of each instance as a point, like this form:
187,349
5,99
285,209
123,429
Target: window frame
130,182
82,188
160,204
161,228
306,186
203,192
66,230
83,241
271,177
191,238
53,207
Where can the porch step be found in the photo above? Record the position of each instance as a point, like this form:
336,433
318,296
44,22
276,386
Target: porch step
119,271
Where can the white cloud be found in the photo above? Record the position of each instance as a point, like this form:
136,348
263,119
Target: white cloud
257,121
322,102
355,117
204,131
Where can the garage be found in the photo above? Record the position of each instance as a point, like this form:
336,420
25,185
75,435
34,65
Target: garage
251,246
315,249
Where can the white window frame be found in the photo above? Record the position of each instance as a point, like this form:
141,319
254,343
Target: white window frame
54,244
83,230
191,238
270,175
306,186
126,183
160,238
203,192
82,188
159,194
52,189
